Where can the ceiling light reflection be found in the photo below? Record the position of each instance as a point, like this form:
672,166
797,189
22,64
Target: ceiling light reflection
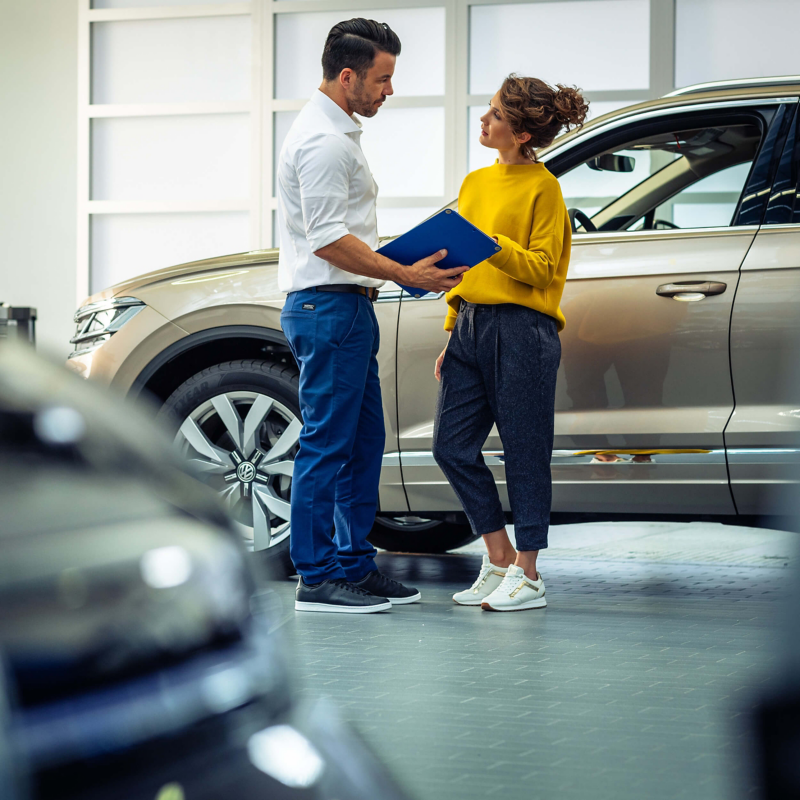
166,567
285,754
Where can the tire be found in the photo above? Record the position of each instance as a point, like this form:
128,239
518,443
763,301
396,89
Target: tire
412,534
237,428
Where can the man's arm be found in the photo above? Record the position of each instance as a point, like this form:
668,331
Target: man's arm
352,255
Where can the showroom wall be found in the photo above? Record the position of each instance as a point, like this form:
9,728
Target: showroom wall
38,147
143,133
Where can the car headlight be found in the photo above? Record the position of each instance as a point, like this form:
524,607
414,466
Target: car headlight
98,322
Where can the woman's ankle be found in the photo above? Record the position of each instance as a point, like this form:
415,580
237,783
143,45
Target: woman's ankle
503,558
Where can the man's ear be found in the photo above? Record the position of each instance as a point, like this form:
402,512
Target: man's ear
347,77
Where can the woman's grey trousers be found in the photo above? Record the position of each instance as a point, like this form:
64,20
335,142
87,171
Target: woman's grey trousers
500,367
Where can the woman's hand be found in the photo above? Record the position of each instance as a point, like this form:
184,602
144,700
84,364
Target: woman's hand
437,370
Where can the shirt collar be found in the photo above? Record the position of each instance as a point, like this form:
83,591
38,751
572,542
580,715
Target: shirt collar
335,113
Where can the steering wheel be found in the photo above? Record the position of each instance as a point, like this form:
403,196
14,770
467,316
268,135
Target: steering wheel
577,214
664,223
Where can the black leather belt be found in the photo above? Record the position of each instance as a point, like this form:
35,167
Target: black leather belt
349,288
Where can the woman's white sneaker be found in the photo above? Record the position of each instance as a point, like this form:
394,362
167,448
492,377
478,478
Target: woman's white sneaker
489,578
517,592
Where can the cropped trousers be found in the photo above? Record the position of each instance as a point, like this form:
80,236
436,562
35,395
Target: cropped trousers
500,368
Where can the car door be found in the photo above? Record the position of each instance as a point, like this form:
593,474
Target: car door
763,436
645,351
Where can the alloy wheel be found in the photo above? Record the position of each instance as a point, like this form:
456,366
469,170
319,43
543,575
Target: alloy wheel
242,444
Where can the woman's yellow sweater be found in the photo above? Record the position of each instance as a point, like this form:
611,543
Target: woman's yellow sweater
522,205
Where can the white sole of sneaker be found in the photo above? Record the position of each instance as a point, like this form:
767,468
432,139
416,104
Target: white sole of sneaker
468,602
538,603
402,601
331,609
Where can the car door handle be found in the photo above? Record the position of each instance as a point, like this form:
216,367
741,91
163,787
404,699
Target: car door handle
691,290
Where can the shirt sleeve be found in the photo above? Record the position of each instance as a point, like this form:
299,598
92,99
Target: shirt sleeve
323,172
536,264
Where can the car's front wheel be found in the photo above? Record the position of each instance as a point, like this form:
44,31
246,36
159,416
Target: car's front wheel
238,425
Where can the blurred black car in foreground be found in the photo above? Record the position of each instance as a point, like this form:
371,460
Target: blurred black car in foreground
136,636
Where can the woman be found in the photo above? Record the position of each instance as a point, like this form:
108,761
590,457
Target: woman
500,363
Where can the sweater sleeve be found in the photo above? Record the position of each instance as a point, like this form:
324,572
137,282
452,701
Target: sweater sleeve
450,319
537,264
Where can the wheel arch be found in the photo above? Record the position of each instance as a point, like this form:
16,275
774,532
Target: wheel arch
197,351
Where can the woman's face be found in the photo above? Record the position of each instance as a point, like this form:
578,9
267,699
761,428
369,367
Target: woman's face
495,131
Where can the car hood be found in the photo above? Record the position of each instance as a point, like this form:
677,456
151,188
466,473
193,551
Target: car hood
217,264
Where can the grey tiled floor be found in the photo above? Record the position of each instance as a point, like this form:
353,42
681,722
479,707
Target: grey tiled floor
632,683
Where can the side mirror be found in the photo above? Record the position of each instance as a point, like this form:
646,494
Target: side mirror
611,163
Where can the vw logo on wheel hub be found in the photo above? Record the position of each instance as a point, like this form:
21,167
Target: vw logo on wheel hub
246,472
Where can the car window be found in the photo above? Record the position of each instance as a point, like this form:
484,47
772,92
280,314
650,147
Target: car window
683,178
784,202
707,203
591,190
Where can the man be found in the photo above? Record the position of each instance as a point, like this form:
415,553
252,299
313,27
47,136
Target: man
328,267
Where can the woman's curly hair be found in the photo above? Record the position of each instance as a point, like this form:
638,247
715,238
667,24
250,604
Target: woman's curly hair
529,105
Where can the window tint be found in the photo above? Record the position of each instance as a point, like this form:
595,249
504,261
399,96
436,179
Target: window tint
680,178
754,201
707,203
784,201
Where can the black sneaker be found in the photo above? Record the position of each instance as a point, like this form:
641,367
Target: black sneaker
397,594
338,595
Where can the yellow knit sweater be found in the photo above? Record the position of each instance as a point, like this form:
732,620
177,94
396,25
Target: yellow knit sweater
523,207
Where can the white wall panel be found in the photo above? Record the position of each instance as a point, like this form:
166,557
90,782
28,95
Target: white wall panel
171,158
159,3
125,245
597,45
204,59
394,221
300,38
405,151
726,39
283,121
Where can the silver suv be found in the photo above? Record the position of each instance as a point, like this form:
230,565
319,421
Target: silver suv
682,306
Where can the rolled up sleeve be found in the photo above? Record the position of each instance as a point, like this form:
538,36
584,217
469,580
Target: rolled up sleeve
323,171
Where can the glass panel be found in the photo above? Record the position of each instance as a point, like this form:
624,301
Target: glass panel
171,158
532,39
159,3
728,39
662,189
590,190
405,150
784,206
283,121
394,221
707,203
204,59
125,245
300,38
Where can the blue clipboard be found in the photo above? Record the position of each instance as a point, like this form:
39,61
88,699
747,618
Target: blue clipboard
447,230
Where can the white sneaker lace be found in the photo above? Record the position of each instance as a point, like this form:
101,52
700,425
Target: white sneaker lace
509,583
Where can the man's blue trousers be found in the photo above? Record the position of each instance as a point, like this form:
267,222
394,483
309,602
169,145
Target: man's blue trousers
335,338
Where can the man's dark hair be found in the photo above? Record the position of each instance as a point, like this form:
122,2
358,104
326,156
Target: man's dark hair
354,43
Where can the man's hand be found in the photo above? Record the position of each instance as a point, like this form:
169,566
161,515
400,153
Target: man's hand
428,276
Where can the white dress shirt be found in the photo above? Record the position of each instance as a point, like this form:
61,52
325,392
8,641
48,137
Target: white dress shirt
325,191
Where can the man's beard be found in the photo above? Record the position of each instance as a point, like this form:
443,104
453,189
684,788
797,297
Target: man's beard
361,103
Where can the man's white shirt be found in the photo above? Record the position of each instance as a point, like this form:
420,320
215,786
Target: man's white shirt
325,191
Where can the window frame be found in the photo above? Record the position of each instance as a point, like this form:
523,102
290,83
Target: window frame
628,128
